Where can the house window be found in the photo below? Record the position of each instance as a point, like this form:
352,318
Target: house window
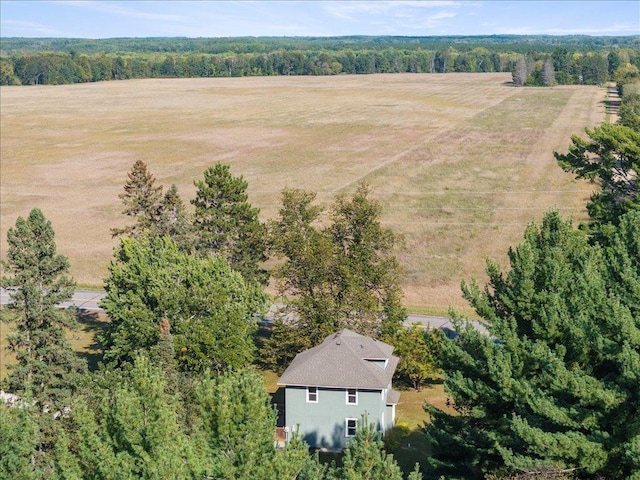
351,425
352,396
312,394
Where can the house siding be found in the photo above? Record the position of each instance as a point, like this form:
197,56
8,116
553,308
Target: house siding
322,424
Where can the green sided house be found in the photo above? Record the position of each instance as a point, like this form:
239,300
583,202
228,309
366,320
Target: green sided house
329,387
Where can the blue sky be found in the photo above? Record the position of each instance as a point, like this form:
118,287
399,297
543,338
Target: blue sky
105,18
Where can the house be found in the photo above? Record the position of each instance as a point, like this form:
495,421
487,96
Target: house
329,387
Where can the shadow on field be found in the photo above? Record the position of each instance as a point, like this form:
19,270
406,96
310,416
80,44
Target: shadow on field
85,340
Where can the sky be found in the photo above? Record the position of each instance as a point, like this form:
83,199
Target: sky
108,19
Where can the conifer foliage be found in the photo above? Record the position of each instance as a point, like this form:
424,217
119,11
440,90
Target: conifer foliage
39,279
226,224
555,385
610,157
141,199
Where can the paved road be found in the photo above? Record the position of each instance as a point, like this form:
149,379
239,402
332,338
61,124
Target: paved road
89,299
83,299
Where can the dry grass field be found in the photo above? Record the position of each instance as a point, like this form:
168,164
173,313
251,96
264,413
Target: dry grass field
460,162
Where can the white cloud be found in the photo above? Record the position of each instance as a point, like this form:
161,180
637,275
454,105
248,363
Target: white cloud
354,10
32,29
120,9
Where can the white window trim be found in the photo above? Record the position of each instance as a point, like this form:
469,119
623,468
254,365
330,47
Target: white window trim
346,427
316,393
347,396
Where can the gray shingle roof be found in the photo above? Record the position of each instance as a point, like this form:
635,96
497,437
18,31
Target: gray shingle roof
344,360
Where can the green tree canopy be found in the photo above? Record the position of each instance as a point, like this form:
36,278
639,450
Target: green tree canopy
611,158
39,280
555,384
226,224
344,275
208,305
141,199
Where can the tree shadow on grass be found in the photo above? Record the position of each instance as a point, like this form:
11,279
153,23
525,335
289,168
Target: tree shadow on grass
85,340
408,446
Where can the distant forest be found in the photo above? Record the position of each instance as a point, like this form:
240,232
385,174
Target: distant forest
576,59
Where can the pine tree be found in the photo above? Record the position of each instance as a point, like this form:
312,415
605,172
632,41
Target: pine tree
172,219
225,223
47,367
611,158
130,428
554,385
239,424
141,199
365,458
19,438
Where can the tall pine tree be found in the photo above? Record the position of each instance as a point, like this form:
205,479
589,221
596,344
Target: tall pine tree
225,223
141,199
555,384
39,280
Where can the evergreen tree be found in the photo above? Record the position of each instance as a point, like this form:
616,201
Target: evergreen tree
239,424
173,219
47,367
141,199
208,306
19,439
226,224
610,157
554,385
365,458
131,429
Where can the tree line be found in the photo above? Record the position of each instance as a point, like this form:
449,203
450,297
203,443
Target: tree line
65,61
552,390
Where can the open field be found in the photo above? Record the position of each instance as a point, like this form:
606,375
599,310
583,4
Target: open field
460,162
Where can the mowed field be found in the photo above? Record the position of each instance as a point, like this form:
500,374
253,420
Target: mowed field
461,163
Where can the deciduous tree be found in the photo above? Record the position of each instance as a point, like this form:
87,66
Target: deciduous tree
208,306
344,275
418,351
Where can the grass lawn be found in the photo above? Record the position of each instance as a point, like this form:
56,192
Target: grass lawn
408,445
83,340
406,442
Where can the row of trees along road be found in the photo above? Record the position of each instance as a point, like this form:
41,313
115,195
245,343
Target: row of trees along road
554,386
176,397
